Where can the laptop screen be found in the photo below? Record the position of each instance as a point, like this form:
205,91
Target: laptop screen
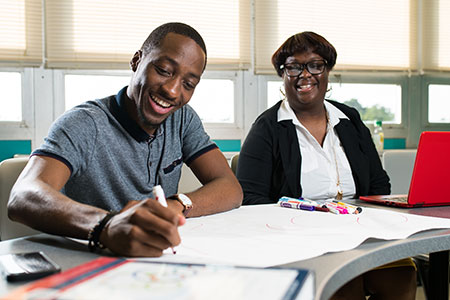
430,182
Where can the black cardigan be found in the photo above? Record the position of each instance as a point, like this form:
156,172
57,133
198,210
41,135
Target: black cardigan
270,159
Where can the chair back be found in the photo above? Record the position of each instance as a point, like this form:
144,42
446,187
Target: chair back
399,165
10,170
188,181
234,163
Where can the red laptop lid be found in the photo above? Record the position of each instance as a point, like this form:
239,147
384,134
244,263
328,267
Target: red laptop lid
430,182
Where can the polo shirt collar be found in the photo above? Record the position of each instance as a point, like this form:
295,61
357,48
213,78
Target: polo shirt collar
285,112
118,109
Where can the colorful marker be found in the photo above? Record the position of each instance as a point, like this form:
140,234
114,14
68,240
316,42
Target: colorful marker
321,208
306,207
333,210
302,206
305,202
299,200
353,209
310,201
331,205
339,208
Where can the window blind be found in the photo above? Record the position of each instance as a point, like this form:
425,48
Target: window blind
367,35
436,35
106,33
20,32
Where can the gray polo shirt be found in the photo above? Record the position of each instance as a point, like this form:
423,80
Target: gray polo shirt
112,160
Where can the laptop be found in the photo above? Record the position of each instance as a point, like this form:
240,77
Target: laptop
430,180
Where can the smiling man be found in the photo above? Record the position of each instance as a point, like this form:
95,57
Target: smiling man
93,176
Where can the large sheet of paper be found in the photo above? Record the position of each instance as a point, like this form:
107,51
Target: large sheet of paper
269,235
115,278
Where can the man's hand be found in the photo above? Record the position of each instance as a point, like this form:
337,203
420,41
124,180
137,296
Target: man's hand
142,228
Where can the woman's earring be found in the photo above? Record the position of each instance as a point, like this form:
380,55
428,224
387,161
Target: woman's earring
328,92
282,92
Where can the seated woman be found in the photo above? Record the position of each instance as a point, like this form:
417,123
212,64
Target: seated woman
306,146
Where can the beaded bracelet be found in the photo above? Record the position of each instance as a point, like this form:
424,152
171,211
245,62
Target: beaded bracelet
94,233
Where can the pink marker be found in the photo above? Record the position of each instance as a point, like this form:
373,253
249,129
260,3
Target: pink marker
340,209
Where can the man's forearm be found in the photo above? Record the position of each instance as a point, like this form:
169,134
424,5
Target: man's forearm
41,207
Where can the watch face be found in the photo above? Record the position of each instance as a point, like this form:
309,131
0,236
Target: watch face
185,199
187,203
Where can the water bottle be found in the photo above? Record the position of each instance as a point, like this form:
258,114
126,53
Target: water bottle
378,136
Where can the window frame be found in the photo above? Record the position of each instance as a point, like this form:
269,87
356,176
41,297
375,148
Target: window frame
24,129
43,101
427,79
233,130
60,89
215,130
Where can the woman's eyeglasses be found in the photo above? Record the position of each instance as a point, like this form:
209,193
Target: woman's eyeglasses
314,67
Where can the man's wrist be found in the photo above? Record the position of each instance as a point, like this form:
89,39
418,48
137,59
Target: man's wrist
94,234
185,201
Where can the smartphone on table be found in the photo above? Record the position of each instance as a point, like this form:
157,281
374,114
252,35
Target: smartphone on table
27,266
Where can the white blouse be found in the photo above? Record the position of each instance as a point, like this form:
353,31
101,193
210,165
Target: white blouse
321,166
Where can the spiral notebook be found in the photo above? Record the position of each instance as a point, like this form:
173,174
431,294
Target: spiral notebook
430,180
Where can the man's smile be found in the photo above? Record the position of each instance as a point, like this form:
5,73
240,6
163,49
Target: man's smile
159,106
160,102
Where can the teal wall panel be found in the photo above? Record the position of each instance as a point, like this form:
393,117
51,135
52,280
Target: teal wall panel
235,145
395,143
229,145
9,148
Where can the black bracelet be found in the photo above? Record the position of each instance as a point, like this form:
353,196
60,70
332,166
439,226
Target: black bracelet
94,233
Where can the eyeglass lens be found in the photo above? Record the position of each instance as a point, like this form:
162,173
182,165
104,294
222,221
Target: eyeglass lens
314,67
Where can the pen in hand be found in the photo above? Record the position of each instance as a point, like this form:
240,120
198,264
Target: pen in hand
158,193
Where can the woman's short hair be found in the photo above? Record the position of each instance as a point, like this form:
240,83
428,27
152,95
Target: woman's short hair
303,42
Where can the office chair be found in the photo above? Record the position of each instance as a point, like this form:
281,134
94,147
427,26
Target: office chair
399,165
10,170
188,182
234,163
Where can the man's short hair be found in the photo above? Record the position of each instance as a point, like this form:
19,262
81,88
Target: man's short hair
157,35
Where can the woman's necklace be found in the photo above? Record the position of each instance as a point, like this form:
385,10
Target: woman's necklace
338,180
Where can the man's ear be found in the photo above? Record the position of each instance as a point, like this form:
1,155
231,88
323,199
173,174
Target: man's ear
134,62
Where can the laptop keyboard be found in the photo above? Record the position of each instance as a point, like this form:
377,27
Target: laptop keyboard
399,199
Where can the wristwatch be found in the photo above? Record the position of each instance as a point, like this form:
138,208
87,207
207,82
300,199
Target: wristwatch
185,201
